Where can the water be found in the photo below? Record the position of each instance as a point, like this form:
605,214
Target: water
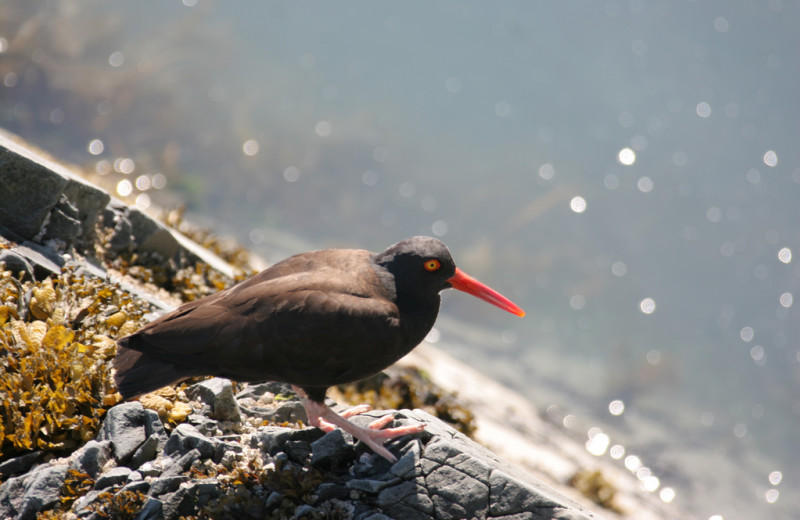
628,172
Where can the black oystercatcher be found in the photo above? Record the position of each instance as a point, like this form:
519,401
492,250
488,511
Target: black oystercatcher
314,320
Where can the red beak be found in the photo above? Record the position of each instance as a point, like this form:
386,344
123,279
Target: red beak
464,282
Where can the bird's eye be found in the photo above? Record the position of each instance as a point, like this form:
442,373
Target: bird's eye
432,265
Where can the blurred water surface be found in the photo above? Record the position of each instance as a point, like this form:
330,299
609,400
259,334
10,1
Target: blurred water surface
628,172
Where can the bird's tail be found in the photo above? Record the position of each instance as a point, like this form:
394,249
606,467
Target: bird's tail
138,373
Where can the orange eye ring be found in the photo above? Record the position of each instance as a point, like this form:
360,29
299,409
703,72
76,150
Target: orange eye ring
432,265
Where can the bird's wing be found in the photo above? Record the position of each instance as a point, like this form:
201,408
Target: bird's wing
273,325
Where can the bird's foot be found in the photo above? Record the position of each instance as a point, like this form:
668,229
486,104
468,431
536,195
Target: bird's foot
321,416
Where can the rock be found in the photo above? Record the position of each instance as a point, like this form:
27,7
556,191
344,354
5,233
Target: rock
217,394
156,439
44,261
91,458
63,223
305,511
166,485
151,510
41,490
15,262
180,502
112,477
331,450
329,490
182,464
408,500
185,438
124,426
30,190
19,464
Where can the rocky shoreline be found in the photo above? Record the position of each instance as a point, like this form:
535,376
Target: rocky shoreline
235,452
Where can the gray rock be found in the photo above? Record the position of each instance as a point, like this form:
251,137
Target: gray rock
185,438
145,452
11,494
331,450
15,262
408,500
112,477
30,190
44,261
511,496
273,500
19,464
329,490
151,510
91,458
180,502
89,200
156,439
42,489
141,486
124,426
305,511
369,485
182,464
63,223
163,486
217,395
151,236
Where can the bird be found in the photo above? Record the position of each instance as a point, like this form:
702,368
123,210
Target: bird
314,320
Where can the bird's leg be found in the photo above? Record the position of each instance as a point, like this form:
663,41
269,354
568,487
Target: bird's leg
321,416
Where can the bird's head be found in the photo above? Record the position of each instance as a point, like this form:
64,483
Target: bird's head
423,266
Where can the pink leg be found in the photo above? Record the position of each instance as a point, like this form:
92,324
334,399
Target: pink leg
322,417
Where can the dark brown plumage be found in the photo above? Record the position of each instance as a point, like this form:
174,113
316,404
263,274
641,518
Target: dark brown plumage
314,320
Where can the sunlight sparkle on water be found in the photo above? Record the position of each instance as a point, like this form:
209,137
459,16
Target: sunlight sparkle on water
142,201
747,334
785,255
616,407
547,172
291,174
626,156
96,147
617,451
619,268
775,478
771,158
786,299
771,496
703,109
250,147
124,188
577,204
124,165
645,184
667,494
597,443
323,128
647,306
